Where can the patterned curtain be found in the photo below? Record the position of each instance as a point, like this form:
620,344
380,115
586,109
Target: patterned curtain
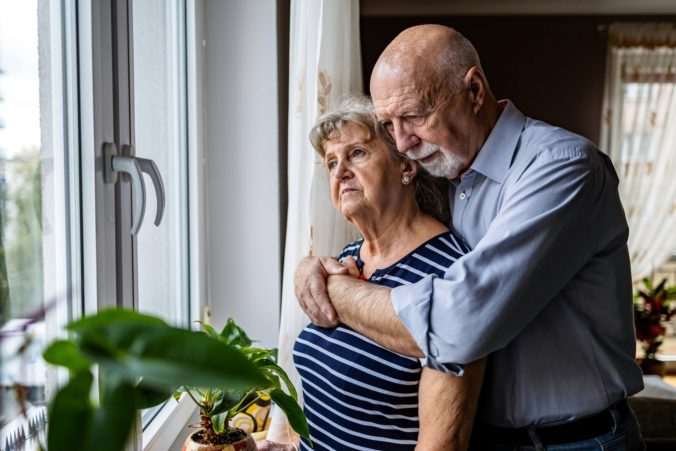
639,133
325,65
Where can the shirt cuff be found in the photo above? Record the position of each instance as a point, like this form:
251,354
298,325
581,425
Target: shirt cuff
412,304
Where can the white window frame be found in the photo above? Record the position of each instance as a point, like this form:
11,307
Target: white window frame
107,241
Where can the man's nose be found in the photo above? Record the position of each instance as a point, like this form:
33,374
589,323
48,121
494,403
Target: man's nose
403,137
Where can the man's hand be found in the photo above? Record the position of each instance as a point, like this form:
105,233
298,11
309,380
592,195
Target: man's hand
310,286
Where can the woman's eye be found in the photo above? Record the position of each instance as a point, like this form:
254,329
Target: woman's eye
358,153
331,165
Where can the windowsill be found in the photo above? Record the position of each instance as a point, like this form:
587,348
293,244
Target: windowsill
169,423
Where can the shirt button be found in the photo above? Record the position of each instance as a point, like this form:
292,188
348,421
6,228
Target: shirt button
463,196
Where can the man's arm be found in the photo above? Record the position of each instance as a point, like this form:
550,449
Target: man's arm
364,307
447,405
367,308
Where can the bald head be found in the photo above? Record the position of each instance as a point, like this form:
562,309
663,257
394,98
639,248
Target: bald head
430,93
428,55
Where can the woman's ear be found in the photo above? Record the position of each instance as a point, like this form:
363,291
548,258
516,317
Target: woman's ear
409,169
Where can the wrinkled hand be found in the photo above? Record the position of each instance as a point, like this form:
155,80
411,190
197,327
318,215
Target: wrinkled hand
267,445
351,264
310,286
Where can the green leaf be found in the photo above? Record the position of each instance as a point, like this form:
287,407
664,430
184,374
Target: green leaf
173,357
65,353
218,422
209,330
235,335
178,393
272,366
70,414
292,411
112,422
255,355
146,396
228,400
109,317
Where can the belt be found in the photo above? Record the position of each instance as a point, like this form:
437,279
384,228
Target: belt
571,431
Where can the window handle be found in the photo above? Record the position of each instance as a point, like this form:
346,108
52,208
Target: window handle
149,167
130,166
135,167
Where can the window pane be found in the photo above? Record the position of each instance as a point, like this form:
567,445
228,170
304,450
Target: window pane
646,117
159,127
35,245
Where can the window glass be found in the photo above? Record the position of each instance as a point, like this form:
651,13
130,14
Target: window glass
159,127
650,96
35,246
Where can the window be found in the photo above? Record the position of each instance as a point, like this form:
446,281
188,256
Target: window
74,76
39,209
638,133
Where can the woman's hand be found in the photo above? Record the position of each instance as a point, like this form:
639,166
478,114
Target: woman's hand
351,264
310,286
267,445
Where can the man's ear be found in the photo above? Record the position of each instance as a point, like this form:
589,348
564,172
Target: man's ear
476,86
409,168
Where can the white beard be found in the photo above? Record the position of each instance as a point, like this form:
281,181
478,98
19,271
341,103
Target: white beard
444,164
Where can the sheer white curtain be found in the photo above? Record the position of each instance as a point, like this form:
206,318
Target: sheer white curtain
639,133
325,65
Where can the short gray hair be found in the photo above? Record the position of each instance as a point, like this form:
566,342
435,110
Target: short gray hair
354,109
431,193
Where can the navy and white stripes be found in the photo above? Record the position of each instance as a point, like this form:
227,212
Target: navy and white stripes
359,395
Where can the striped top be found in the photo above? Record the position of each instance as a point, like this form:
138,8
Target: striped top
359,395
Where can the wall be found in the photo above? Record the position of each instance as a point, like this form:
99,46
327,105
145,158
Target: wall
242,165
552,67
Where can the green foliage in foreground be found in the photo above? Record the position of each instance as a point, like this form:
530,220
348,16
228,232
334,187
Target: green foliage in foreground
141,361
218,406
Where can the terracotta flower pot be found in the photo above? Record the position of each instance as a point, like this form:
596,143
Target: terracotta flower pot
246,444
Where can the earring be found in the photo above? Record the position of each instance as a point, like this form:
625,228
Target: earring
405,180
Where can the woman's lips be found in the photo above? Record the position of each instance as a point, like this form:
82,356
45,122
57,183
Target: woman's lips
347,190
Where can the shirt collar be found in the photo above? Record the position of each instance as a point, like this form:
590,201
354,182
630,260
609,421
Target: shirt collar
495,156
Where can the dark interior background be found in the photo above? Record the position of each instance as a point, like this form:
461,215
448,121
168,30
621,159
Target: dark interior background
551,67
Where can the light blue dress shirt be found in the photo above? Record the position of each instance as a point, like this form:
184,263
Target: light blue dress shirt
546,289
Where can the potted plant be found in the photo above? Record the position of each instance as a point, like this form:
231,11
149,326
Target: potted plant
141,361
653,307
219,406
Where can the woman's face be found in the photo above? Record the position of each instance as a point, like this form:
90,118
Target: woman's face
364,179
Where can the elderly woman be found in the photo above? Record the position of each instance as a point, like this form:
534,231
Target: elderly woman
359,395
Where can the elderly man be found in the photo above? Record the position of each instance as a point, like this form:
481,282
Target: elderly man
545,291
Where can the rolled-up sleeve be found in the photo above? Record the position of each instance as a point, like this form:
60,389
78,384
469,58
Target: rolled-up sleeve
412,304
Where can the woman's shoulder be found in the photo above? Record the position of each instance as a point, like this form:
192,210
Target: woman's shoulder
351,249
443,248
450,241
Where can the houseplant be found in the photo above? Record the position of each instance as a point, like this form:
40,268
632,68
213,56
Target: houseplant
653,307
218,406
141,361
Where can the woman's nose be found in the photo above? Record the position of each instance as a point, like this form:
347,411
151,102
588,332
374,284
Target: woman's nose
341,171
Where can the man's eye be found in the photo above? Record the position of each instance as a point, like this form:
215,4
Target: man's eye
414,119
